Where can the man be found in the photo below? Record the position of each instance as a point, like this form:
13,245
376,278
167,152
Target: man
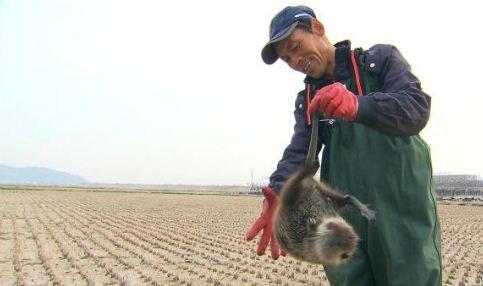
371,150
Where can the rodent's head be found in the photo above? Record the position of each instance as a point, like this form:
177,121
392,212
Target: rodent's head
308,227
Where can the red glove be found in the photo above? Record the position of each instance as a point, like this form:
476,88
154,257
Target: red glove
335,101
270,204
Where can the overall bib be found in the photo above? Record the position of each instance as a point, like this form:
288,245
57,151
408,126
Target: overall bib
393,175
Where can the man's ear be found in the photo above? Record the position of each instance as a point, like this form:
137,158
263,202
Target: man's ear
317,27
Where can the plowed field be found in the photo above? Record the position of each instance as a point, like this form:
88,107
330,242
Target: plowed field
109,238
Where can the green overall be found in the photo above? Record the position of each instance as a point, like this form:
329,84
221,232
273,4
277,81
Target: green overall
393,175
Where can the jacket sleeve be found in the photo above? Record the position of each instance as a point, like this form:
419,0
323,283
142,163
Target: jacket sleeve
295,153
401,108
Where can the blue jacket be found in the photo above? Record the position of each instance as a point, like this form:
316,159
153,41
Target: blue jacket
400,109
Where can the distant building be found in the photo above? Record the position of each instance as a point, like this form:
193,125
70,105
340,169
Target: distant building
458,185
454,178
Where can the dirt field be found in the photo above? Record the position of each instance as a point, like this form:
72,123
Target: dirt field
100,238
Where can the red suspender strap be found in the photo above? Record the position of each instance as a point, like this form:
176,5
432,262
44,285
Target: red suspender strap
356,73
307,103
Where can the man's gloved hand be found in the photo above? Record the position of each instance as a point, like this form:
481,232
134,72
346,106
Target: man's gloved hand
270,204
335,101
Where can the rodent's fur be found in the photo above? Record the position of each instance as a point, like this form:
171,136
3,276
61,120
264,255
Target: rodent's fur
307,224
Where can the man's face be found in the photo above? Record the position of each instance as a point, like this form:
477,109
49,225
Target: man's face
304,52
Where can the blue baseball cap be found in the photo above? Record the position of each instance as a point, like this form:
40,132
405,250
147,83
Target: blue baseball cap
282,26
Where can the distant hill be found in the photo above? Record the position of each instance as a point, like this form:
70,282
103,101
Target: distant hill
38,176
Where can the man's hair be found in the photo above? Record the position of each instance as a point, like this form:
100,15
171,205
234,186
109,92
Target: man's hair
305,24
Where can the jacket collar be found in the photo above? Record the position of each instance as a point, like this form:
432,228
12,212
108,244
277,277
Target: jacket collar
341,69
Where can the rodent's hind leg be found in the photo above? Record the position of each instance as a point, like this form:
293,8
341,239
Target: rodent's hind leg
365,211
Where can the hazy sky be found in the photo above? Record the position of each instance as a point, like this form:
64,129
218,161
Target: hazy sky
176,91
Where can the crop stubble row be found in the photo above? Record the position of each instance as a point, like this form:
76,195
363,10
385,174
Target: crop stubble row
95,238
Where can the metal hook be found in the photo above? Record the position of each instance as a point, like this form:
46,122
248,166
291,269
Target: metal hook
329,120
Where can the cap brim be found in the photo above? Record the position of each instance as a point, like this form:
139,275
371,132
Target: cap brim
269,55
